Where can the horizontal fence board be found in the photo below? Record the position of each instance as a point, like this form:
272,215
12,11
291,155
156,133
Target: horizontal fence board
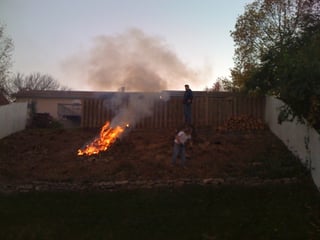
208,109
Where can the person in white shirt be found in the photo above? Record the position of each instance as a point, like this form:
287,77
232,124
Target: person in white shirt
179,148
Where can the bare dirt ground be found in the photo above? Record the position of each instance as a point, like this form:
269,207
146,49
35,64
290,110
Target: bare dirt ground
51,155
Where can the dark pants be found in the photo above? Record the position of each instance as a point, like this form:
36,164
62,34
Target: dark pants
179,150
187,113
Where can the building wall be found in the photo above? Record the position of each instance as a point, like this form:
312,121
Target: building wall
302,140
13,118
48,105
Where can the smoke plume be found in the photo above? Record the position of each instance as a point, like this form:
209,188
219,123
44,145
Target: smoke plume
131,108
132,60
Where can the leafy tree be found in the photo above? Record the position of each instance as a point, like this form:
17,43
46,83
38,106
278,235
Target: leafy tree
227,84
293,76
291,70
264,25
6,48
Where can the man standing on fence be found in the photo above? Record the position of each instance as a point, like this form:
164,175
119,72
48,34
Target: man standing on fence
187,102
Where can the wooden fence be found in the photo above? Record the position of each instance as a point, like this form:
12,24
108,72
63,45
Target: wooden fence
208,109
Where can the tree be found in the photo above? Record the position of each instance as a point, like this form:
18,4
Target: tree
291,70
11,84
216,87
34,81
221,84
6,48
293,76
265,24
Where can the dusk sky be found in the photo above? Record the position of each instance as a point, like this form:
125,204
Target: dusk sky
108,44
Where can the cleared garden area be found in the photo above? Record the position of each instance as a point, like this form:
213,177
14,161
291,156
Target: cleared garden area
237,185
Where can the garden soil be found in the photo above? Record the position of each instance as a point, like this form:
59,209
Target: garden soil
51,155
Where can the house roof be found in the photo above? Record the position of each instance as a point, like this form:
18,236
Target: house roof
60,94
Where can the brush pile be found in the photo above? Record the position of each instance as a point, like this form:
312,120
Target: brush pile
242,123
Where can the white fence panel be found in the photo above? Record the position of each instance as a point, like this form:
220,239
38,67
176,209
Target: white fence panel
303,141
13,118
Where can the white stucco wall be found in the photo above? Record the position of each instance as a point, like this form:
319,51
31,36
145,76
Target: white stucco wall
301,140
13,118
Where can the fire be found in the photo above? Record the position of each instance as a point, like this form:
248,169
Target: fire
107,137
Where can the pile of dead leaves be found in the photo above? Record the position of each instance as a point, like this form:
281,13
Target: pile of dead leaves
242,123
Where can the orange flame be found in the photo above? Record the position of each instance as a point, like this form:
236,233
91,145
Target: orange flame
107,137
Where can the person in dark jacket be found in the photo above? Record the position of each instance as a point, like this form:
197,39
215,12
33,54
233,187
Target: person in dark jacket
187,102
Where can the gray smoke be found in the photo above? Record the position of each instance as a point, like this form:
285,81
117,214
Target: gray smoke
131,108
133,60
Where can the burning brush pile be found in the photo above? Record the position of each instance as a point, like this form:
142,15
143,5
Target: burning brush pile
129,109
108,135
132,62
242,123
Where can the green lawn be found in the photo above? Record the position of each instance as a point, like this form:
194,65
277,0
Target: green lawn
287,211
